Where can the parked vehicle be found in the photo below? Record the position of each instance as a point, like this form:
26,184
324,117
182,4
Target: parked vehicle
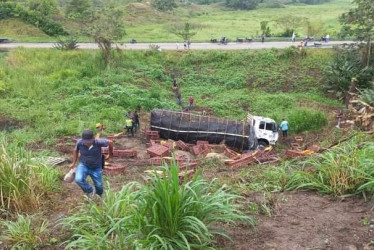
5,40
224,40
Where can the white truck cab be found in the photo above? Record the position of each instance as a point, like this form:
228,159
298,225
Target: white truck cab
266,129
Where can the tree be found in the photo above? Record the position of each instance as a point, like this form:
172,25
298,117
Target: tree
76,9
163,5
265,28
313,29
290,23
105,25
242,4
184,31
45,7
359,22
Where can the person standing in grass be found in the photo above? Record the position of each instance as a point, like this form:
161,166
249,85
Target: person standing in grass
284,127
293,37
88,149
136,123
179,98
191,101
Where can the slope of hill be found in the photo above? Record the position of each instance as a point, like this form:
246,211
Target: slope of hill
147,25
58,93
18,30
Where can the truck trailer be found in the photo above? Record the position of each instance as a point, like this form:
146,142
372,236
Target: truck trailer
242,135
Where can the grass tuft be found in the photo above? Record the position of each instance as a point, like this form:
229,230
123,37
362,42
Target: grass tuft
23,181
166,212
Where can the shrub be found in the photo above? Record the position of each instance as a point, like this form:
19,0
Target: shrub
163,5
291,53
306,120
166,213
346,65
68,43
45,23
242,4
344,170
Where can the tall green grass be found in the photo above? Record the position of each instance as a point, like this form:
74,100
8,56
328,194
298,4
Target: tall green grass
347,169
23,181
24,233
164,213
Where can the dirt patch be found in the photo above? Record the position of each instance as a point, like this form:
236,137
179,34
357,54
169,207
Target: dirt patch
305,220
8,124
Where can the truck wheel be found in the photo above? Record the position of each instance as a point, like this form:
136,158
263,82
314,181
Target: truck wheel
263,143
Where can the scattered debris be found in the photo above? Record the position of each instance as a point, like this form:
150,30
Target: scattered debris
51,160
158,150
113,169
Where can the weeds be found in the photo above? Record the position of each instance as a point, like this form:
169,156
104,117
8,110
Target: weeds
165,213
24,233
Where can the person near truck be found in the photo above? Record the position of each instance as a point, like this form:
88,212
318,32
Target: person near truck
88,149
135,119
129,126
284,127
100,129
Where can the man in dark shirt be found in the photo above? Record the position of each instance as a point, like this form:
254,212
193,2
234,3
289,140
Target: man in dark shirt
136,122
90,162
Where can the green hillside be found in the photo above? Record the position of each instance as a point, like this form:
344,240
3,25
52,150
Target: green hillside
148,25
58,93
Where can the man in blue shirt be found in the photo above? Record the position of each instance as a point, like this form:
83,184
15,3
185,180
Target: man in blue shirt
91,162
284,127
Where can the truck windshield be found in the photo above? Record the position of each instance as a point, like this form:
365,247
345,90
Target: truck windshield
271,127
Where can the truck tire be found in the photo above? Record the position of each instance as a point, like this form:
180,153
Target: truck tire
263,143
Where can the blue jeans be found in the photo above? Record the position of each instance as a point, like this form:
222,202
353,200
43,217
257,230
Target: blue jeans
96,175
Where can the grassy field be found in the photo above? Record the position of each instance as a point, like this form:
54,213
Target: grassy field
147,25
58,93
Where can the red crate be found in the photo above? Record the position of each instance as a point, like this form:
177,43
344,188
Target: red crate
158,151
202,142
155,161
125,153
153,135
114,169
182,145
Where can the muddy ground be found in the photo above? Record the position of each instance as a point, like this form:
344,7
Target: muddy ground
296,220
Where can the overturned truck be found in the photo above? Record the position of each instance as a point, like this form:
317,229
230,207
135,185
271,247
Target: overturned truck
189,127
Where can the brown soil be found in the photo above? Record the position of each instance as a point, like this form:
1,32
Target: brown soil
305,220
8,124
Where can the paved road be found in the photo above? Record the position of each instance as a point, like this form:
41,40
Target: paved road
173,46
